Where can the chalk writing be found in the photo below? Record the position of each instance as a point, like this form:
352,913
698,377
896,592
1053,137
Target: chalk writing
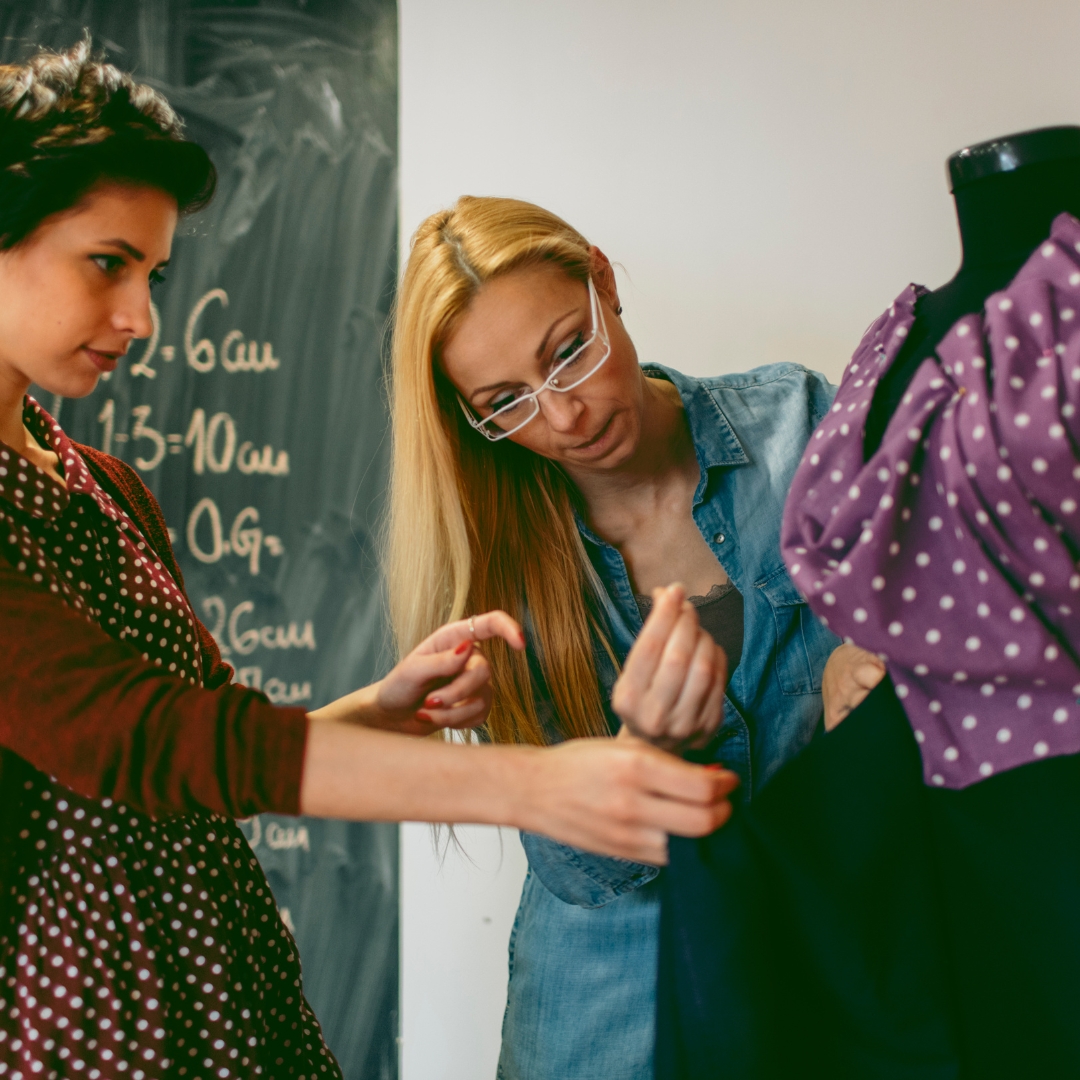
236,355
248,640
213,443
246,540
275,689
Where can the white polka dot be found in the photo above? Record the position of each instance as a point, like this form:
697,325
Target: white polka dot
1021,420
1068,506
969,722
946,603
922,559
972,644
1050,653
1041,749
859,615
951,753
1060,716
1004,735
1004,305
985,769
896,629
877,583
938,779
1024,701
932,636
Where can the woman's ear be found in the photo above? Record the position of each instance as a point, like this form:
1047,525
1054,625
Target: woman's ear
603,275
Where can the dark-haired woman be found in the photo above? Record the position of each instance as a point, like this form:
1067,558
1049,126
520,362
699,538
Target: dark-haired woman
138,936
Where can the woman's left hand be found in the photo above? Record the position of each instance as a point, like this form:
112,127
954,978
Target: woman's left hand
850,674
445,682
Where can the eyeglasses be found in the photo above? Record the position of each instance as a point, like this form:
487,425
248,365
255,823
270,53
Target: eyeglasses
573,369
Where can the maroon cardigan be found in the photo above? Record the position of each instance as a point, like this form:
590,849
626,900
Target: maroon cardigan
89,710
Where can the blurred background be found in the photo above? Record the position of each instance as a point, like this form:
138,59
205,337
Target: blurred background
767,175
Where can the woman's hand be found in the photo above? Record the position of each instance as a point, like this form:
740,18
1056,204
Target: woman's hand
850,674
443,683
622,797
671,690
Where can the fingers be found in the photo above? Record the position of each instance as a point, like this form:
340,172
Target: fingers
669,679
869,675
464,714
489,625
467,684
645,656
707,669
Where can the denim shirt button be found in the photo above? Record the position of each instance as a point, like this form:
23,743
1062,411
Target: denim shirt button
719,538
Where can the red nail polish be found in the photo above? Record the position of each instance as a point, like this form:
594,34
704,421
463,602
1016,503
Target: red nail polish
464,647
714,766
421,715
433,703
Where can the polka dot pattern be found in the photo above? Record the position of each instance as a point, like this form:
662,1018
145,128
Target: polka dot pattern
129,946
952,552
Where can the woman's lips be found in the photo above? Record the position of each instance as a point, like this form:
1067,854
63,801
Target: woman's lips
596,441
102,361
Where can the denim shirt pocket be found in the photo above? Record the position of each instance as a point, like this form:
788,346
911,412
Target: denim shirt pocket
579,877
801,646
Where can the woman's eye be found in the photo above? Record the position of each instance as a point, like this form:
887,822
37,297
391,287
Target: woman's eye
501,402
108,263
571,347
156,278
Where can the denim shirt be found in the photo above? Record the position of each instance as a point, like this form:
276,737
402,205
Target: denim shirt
749,432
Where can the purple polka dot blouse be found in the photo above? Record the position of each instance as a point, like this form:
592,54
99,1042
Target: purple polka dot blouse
952,552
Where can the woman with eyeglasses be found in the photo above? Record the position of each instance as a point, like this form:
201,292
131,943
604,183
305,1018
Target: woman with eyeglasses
540,469
138,935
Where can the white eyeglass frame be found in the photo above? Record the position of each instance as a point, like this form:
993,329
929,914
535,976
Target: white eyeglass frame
599,332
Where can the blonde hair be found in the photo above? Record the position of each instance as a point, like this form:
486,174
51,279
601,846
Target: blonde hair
475,525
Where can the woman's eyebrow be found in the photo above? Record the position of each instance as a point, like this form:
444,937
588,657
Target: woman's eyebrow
551,329
123,245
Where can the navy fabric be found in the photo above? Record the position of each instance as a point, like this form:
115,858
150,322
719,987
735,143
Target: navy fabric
854,923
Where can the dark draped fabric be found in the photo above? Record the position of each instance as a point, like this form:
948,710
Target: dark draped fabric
854,923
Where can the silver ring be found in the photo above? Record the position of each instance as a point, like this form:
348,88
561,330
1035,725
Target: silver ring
472,629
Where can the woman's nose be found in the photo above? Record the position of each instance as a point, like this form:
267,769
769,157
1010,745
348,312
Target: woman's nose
132,315
561,411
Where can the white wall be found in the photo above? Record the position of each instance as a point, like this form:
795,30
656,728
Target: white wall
769,174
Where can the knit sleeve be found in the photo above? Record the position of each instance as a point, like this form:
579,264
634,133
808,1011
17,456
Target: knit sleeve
90,711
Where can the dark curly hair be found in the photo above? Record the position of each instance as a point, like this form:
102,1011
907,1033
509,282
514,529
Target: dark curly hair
69,121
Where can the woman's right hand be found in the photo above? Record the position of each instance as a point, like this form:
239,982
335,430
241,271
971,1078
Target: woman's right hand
622,797
671,689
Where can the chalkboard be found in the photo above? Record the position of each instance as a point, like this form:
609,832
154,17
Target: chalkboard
255,412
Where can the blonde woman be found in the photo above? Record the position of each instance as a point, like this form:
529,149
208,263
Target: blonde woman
541,470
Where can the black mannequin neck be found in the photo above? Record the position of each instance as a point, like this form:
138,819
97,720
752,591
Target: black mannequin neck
1002,219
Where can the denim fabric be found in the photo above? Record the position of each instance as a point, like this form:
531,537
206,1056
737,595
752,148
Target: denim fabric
749,432
600,1024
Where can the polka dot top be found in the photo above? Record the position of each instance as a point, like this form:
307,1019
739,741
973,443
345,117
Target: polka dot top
129,946
76,539
952,552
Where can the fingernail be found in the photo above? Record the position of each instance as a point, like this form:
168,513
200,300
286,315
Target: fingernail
714,766
433,702
464,647
421,715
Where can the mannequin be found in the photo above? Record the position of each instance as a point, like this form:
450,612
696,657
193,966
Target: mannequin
855,923
1007,192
